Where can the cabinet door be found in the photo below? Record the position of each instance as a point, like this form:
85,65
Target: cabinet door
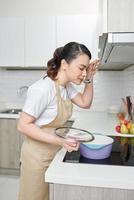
78,28
11,42
9,144
40,40
73,192
120,16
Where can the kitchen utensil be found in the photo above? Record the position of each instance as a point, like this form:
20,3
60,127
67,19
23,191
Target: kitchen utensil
129,106
125,107
132,101
99,148
74,133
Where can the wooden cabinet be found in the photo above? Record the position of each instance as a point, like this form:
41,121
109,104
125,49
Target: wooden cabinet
40,40
31,41
11,42
10,146
78,28
117,16
27,42
71,192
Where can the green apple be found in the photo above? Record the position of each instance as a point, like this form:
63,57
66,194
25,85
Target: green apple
124,129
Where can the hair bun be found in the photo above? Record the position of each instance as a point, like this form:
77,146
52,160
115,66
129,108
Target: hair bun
57,53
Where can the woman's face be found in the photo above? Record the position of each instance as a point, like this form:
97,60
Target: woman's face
76,69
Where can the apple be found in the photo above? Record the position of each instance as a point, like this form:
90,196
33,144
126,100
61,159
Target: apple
124,129
129,125
118,128
126,122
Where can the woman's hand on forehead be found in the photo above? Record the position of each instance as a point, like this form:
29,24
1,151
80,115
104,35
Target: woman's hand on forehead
93,67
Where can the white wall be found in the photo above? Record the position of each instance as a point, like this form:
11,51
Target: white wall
109,87
47,7
11,81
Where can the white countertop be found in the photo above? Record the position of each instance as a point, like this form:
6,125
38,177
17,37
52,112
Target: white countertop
109,176
92,175
8,116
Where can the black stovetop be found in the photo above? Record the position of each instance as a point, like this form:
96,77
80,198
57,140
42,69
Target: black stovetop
116,158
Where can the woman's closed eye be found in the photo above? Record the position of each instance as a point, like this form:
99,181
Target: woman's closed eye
82,68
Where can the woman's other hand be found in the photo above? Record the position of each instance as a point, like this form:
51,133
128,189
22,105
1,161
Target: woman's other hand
70,144
92,68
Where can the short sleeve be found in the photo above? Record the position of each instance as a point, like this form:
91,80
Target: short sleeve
36,101
71,90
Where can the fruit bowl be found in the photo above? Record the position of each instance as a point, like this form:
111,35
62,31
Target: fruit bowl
125,126
124,130
125,135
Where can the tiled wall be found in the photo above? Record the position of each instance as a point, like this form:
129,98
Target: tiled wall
107,90
109,87
12,80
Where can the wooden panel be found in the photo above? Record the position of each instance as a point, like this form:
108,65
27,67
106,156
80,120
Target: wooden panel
70,192
9,144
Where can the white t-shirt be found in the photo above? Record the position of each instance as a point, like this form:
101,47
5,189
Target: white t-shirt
41,101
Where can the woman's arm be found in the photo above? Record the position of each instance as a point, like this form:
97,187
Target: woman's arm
27,127
84,100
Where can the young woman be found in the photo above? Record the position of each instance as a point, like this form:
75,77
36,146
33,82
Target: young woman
49,105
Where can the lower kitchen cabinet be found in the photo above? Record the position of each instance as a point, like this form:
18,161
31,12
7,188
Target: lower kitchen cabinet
71,192
10,145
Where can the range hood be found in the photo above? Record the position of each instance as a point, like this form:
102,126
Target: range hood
116,51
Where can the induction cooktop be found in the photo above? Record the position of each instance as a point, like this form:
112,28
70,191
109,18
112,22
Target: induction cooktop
118,156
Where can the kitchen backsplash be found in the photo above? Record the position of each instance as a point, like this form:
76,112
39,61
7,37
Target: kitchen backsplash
109,87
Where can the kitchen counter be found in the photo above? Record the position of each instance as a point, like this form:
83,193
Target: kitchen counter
107,176
10,113
8,116
93,175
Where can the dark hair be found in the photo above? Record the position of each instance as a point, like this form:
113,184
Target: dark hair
69,52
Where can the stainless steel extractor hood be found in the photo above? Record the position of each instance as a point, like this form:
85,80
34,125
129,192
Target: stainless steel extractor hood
116,50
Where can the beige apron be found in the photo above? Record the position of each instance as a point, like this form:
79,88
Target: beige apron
36,156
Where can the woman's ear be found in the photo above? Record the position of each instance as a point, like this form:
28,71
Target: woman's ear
64,64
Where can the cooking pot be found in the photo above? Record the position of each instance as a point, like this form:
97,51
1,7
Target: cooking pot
99,148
